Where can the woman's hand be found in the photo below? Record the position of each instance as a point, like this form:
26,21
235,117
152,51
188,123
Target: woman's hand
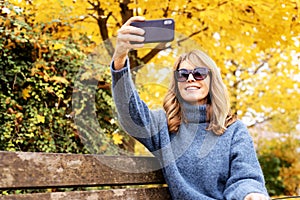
127,34
256,196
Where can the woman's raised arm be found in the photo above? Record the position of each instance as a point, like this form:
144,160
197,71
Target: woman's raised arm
126,35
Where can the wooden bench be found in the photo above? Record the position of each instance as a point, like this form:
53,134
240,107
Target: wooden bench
124,177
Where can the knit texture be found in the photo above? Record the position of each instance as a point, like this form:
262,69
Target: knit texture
197,164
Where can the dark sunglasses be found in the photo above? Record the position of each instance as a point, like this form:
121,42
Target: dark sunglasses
199,73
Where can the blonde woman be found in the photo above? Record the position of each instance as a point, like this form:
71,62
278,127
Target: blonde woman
204,151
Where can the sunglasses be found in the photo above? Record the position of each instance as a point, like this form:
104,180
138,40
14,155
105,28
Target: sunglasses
199,73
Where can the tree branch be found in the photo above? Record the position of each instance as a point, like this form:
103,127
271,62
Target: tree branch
126,13
166,9
191,35
154,51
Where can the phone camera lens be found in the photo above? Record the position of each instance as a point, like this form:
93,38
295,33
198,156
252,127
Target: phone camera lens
167,22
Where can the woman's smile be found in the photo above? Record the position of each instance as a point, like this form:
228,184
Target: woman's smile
192,88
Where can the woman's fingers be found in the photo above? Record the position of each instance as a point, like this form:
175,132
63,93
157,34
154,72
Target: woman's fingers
131,33
129,37
130,30
128,33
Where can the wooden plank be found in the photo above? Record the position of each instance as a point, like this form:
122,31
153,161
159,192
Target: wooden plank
117,194
46,170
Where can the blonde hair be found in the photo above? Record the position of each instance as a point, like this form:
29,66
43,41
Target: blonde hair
218,104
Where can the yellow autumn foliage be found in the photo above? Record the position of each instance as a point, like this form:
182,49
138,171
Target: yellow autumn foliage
26,92
255,43
40,118
117,138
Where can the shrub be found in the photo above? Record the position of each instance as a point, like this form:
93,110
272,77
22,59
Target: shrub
280,158
38,73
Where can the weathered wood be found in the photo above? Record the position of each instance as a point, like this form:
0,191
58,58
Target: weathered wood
118,194
47,170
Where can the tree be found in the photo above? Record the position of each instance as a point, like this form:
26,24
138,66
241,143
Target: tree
254,43
39,64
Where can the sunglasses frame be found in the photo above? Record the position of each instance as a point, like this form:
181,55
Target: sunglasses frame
193,72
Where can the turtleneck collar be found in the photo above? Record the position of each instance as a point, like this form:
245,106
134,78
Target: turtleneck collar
193,113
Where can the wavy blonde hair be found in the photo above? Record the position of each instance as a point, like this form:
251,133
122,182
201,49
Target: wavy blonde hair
218,105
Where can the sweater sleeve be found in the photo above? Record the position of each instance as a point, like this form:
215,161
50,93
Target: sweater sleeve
246,175
133,114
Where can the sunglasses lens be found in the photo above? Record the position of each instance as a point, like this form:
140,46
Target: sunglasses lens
199,74
181,75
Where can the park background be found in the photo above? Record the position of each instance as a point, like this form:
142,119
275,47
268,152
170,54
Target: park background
55,93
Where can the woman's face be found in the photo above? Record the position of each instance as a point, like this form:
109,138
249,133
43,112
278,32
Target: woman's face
193,91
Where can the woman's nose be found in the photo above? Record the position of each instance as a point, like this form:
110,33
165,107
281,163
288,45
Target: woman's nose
190,78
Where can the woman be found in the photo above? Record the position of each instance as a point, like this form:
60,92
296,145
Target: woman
204,151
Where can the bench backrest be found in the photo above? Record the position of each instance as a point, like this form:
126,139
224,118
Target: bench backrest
27,170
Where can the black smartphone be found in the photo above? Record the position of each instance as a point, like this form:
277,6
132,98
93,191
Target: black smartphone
158,30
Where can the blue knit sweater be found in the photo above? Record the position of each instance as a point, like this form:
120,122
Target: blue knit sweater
197,164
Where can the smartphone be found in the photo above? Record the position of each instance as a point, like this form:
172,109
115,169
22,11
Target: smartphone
158,30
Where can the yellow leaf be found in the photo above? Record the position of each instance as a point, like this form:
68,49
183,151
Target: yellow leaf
59,79
19,115
50,89
117,138
25,92
58,46
7,101
103,148
46,76
40,119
